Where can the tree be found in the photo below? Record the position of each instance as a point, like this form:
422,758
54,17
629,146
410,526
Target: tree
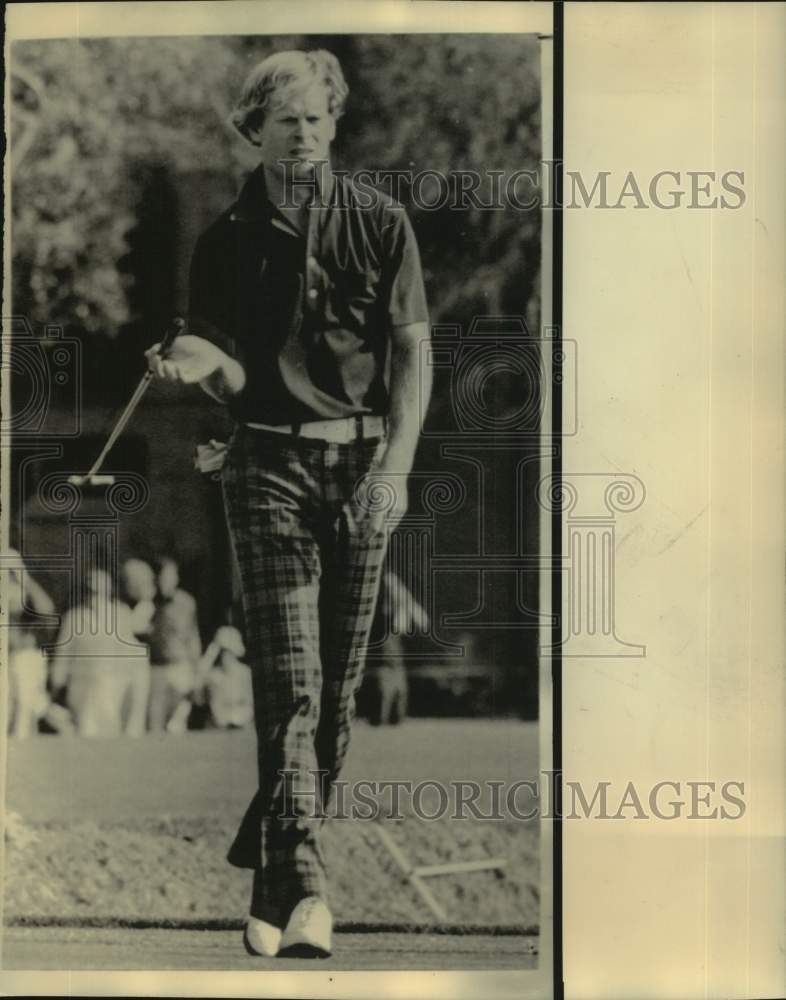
93,118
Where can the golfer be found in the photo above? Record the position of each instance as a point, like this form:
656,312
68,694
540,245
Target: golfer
307,315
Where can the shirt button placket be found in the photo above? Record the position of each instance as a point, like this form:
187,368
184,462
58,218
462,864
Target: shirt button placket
312,267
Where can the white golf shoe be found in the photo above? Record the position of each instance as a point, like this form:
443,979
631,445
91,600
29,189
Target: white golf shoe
308,932
261,938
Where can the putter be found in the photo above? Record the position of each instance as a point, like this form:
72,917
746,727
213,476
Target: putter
176,328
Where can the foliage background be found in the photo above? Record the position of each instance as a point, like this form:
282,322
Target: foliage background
95,120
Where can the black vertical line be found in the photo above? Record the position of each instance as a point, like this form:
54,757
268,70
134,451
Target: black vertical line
556,514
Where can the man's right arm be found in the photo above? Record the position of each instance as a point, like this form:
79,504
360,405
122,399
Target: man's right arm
226,381
194,360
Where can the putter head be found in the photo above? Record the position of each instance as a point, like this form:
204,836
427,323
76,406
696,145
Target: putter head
91,480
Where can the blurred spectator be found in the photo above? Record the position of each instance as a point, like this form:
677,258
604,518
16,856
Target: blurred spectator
226,681
28,700
138,591
175,649
383,694
98,668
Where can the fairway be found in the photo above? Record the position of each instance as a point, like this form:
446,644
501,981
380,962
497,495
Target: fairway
122,830
214,773
119,949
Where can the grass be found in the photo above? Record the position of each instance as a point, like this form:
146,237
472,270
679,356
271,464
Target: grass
174,869
162,865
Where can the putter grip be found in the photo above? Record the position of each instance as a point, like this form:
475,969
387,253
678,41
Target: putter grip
176,327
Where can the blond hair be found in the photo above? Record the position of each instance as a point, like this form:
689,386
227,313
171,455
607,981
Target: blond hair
284,71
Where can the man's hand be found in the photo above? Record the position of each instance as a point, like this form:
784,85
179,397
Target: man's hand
409,393
194,360
385,489
190,360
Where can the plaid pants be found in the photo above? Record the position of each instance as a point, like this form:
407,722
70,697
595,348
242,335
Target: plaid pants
310,560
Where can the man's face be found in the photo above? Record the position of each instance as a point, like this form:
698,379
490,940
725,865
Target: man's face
300,128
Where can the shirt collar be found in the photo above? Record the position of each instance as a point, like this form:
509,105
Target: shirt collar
254,202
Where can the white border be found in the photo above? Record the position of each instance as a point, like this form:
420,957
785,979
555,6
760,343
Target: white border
270,17
26,21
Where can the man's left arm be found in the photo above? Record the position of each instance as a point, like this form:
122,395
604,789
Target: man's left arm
409,387
410,391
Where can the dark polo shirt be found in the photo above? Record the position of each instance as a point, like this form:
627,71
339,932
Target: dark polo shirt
308,315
